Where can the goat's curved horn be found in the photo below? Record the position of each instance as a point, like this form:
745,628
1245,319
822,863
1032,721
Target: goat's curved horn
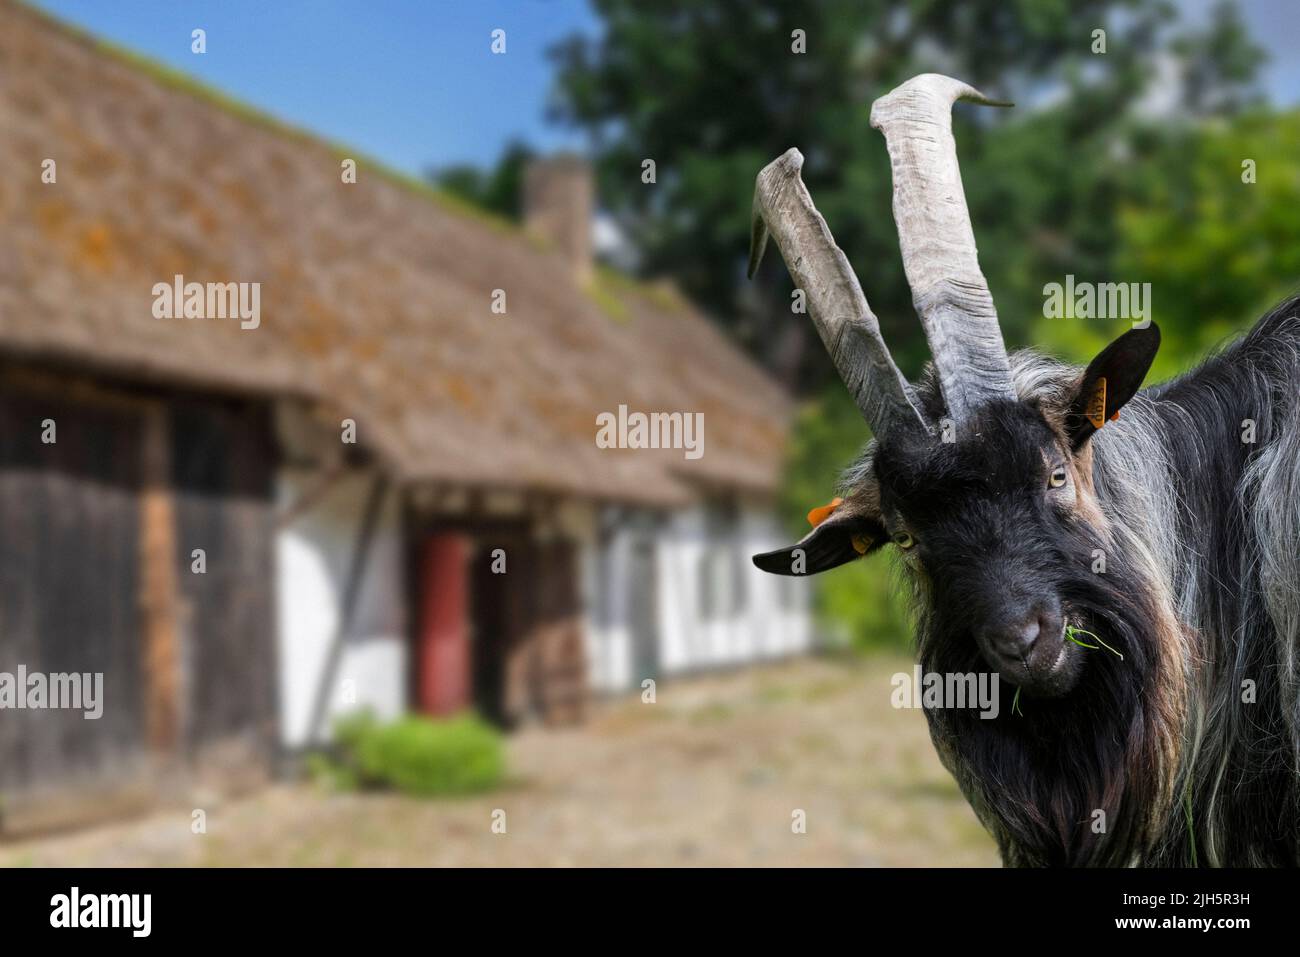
844,320
934,231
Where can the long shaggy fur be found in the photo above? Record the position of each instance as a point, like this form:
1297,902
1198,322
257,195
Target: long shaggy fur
1187,751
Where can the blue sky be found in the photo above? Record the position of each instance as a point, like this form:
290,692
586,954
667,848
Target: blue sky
411,83
414,82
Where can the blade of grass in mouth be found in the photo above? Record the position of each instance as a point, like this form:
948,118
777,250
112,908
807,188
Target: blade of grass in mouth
1071,631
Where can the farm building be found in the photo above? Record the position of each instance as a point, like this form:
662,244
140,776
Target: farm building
385,489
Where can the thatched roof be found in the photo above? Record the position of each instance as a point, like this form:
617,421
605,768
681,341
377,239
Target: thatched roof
375,296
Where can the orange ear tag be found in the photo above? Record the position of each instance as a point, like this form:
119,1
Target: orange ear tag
820,514
1096,407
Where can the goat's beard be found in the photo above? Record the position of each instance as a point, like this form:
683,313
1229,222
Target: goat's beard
1081,779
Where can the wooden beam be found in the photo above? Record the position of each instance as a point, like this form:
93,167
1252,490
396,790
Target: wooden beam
312,497
158,585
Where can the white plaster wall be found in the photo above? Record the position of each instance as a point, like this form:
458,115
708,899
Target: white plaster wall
772,621
773,618
779,614
313,557
685,640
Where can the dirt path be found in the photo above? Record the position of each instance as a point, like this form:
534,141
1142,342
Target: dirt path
711,774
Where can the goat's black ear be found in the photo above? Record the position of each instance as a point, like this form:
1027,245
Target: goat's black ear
1110,380
836,541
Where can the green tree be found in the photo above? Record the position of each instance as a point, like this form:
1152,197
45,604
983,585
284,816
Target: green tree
1220,64
713,91
1217,248
498,190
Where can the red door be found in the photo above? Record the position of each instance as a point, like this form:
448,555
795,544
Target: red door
443,638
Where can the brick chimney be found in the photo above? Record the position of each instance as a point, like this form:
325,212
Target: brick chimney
558,201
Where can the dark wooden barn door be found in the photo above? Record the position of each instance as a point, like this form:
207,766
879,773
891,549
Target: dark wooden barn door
560,658
501,607
98,532
222,472
69,582
529,656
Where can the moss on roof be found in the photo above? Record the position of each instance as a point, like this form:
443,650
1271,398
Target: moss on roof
609,284
176,79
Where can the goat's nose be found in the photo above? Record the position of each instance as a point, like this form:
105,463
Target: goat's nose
1015,639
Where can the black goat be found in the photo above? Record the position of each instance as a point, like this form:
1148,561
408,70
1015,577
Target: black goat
1028,512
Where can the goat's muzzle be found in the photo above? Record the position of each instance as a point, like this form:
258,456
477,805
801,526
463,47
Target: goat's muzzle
1029,649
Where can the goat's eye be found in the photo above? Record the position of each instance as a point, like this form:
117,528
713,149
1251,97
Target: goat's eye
1057,479
904,540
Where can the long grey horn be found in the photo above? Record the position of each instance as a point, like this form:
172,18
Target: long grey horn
846,324
938,244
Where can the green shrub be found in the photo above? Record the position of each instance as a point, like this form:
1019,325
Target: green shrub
417,755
